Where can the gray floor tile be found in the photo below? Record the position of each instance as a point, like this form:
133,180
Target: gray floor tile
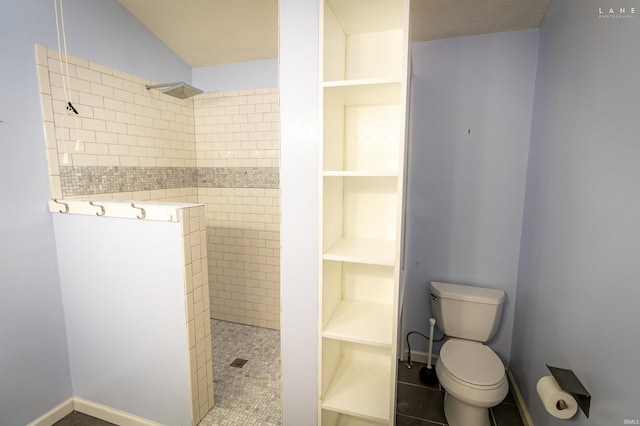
81,419
410,421
422,405
412,375
421,402
507,415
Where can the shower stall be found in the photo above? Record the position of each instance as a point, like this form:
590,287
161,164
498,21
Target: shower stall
132,146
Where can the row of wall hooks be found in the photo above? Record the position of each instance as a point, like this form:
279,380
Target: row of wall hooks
142,212
124,209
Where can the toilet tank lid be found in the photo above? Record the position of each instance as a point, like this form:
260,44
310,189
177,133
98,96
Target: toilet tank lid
489,296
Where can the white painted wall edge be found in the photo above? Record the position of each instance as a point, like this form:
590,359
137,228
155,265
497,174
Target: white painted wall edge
90,408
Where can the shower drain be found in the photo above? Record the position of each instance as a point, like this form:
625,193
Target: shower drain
238,362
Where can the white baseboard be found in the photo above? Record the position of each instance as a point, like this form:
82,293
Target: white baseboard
54,415
90,408
420,356
109,414
522,408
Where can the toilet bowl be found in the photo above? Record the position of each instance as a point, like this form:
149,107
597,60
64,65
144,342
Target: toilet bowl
474,380
471,374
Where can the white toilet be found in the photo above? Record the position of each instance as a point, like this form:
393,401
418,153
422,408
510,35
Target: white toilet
471,373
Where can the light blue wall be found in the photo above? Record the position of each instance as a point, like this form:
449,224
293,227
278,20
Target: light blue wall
578,299
466,191
240,76
33,355
106,33
123,289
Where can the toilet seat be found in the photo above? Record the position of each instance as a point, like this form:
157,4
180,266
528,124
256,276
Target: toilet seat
472,364
482,365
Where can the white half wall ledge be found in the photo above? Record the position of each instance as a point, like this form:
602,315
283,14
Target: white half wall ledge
148,210
90,408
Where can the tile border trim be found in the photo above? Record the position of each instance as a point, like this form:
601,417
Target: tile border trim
89,180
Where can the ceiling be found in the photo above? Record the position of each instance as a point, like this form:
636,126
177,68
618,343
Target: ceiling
214,32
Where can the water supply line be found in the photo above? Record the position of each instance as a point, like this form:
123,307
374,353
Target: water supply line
408,363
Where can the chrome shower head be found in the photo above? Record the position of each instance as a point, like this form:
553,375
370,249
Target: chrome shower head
178,90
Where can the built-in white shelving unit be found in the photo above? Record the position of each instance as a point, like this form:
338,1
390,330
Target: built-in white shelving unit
364,94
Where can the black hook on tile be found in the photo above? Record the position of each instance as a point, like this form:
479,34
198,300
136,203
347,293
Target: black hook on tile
71,108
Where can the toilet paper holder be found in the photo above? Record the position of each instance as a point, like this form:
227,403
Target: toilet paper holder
569,382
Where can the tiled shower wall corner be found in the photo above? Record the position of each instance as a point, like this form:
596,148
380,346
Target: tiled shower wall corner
120,123
244,254
198,312
238,132
221,149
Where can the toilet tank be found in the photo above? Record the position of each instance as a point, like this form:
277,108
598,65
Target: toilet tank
466,312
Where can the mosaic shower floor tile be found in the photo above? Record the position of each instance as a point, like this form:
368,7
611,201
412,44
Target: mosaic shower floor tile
250,395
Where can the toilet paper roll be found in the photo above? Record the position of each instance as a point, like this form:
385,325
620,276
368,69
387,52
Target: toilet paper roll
550,394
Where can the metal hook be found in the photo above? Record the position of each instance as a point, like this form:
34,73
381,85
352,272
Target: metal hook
144,214
102,210
66,206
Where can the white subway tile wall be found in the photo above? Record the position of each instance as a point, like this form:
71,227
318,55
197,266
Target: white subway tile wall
175,195
243,234
229,142
197,308
238,128
119,123
241,129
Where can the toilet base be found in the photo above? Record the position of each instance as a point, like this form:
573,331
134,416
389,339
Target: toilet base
460,413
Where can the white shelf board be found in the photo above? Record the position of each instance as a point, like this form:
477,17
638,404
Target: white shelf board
360,173
360,322
375,252
365,92
360,388
360,82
